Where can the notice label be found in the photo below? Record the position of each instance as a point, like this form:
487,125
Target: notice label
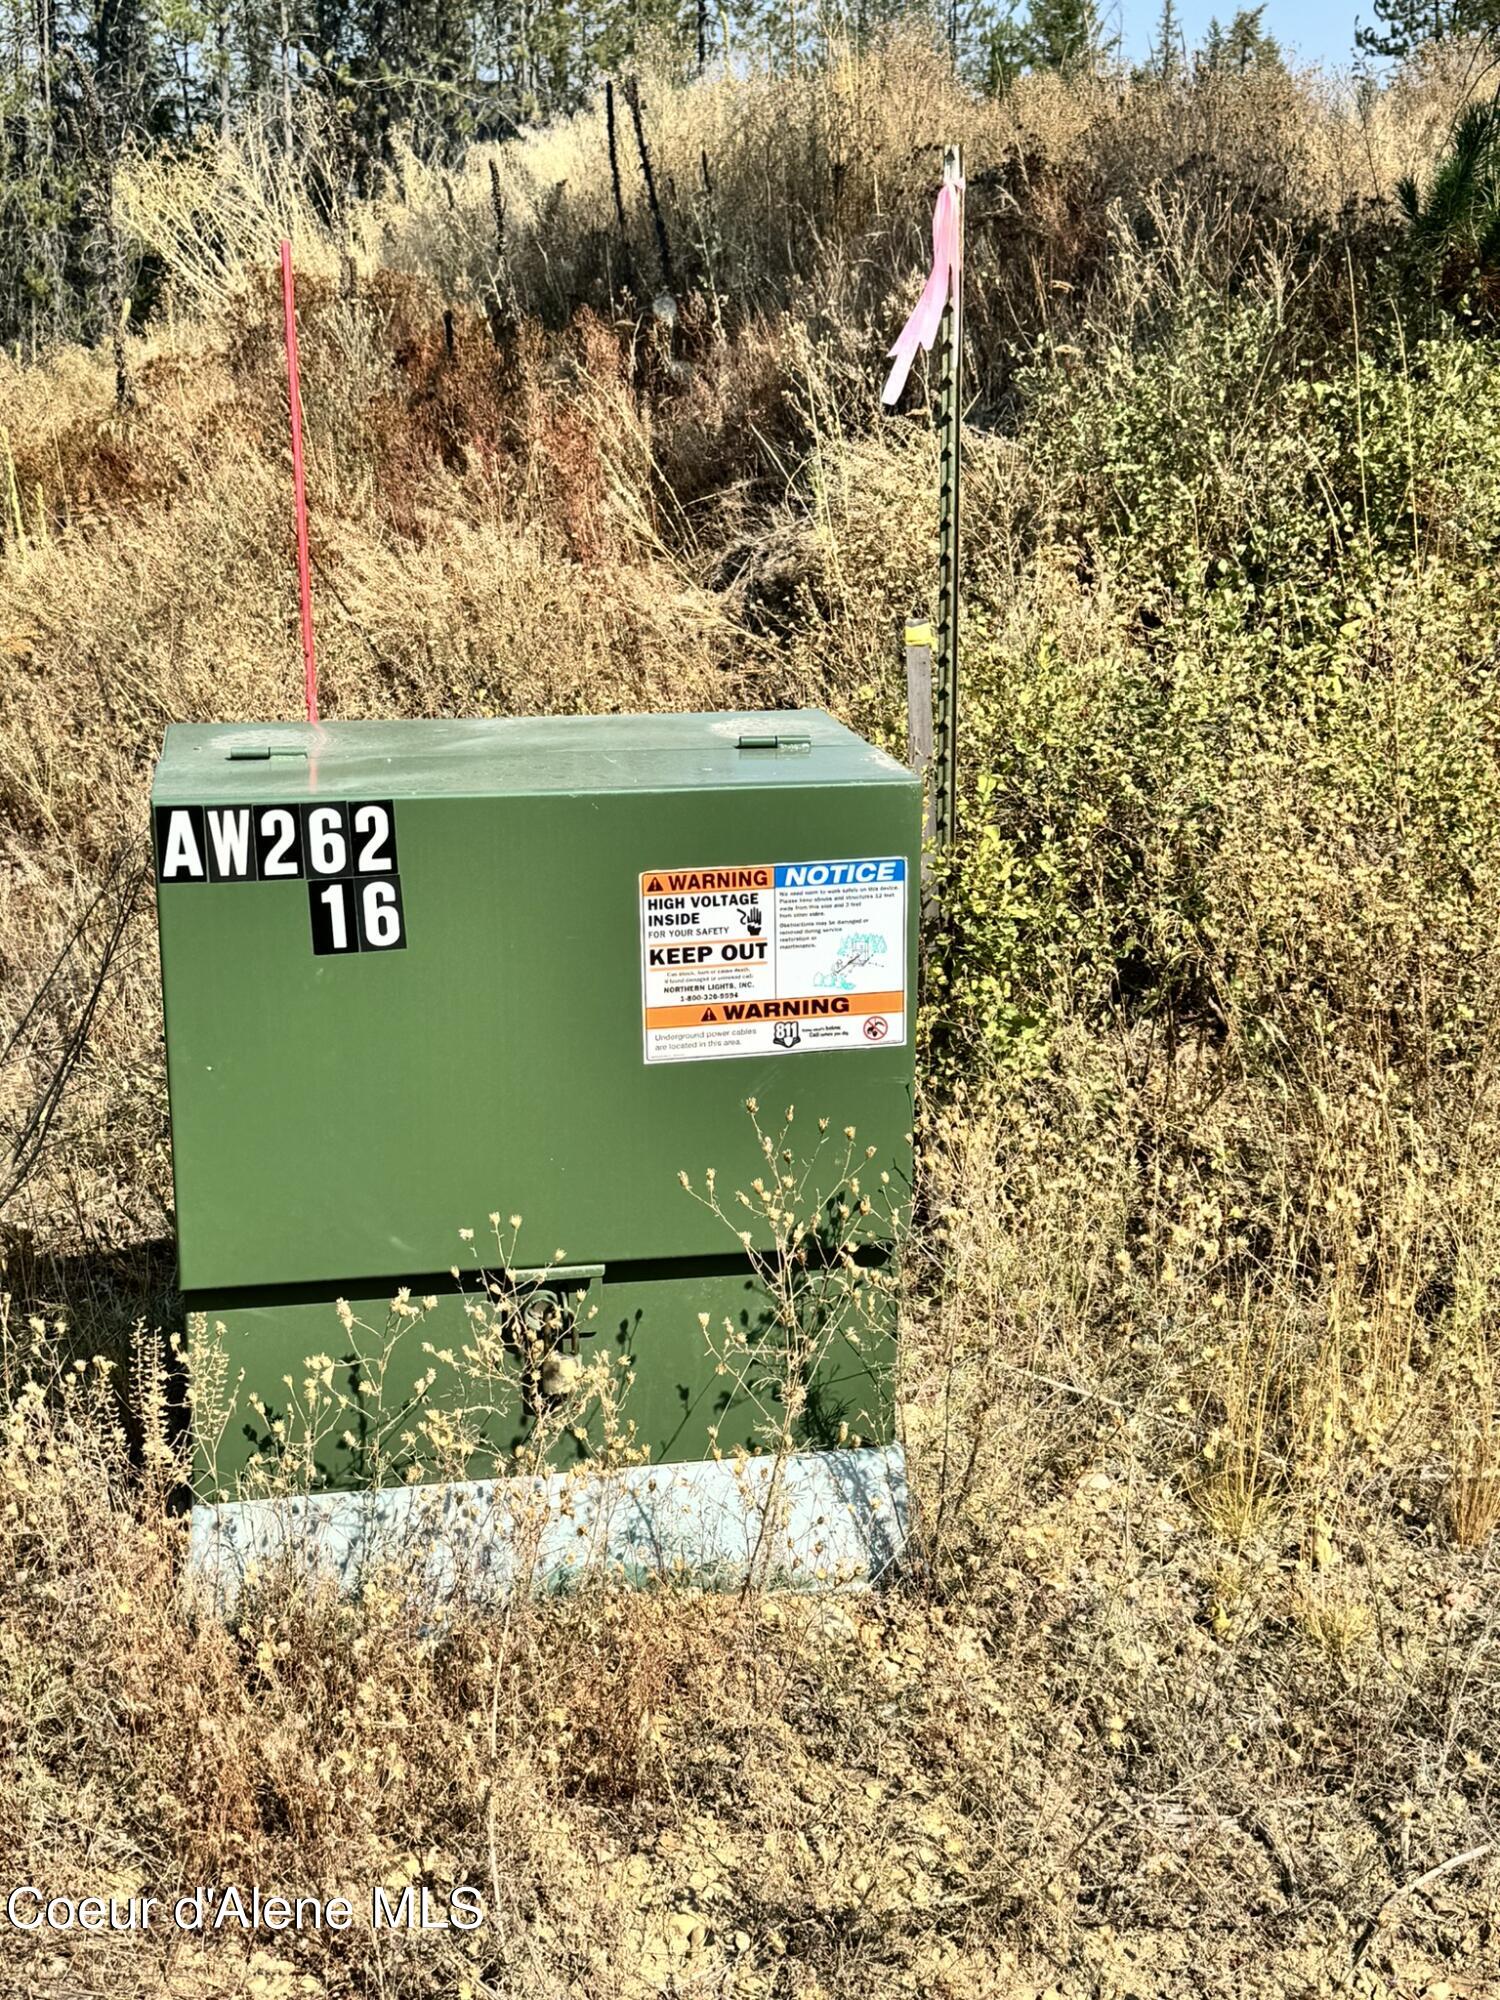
773,957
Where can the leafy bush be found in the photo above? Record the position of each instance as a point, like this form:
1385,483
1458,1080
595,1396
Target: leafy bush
1232,739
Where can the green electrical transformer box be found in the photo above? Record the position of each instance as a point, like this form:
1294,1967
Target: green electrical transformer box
453,1007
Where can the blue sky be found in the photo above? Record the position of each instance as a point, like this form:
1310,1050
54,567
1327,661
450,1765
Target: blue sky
1320,31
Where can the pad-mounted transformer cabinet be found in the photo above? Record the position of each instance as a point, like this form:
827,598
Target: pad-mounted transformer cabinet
419,973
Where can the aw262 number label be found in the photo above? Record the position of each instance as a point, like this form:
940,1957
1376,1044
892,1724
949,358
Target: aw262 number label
345,850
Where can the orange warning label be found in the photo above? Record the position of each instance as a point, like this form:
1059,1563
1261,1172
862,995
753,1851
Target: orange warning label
703,881
814,1007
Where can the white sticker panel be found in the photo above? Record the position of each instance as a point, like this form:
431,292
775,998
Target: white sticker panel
773,957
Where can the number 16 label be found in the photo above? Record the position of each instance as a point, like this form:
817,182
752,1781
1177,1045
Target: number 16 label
359,913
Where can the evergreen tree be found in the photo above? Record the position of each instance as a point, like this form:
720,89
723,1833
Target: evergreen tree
1401,27
1167,47
1062,35
1455,227
1004,51
1241,47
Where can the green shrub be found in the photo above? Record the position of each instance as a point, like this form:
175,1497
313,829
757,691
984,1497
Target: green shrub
1231,739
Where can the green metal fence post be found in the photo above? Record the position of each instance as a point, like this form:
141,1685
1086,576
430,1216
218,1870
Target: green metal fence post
950,420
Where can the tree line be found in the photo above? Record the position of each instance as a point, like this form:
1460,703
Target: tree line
82,79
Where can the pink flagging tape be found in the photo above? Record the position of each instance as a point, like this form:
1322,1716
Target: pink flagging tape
299,484
921,330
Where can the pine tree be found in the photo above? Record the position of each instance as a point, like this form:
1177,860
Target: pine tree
1403,26
1062,35
1241,47
1003,50
1455,228
128,74
1167,49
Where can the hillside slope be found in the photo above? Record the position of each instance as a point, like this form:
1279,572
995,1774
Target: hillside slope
1194,1685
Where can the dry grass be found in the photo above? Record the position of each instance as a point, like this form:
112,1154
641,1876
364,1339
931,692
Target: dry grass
1197,1662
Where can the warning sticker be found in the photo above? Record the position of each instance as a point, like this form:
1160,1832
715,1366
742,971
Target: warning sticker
773,957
